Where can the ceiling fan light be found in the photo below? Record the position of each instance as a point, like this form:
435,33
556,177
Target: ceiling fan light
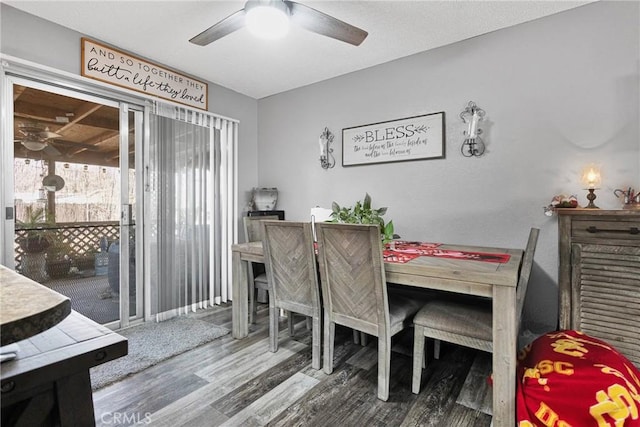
268,22
33,144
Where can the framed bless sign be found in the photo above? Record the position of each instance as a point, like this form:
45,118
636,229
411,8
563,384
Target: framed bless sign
412,138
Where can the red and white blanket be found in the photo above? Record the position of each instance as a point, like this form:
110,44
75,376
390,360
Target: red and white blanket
569,379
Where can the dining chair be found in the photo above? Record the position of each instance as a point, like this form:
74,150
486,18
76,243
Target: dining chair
465,320
354,292
319,214
290,263
256,271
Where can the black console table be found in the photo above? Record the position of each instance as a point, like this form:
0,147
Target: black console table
265,213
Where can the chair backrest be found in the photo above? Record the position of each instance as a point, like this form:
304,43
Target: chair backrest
252,230
352,273
525,271
291,266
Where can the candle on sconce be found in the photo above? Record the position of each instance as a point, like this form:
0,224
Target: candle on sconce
473,126
327,160
323,146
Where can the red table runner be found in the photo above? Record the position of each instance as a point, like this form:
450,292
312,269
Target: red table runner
402,251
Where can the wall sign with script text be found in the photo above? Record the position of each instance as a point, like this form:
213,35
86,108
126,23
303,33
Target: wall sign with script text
118,68
413,138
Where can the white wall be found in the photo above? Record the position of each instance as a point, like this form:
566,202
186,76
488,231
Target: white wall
559,92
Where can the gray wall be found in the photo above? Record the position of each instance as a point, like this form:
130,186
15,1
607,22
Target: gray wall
559,93
28,37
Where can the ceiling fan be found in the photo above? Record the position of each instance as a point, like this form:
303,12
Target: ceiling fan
256,13
36,138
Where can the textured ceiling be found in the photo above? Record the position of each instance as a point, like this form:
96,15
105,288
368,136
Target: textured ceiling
160,30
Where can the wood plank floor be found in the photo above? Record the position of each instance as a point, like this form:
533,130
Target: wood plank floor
240,383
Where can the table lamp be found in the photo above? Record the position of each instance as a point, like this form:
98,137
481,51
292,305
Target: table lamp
592,179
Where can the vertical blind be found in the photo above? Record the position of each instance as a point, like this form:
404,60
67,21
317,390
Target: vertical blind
192,209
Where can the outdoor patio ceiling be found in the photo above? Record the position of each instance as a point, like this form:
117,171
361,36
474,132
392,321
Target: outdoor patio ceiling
72,130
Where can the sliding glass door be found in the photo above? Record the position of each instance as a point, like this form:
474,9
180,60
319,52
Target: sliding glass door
75,191
127,205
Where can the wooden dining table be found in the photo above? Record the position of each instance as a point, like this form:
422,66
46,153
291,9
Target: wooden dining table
27,308
497,281
49,350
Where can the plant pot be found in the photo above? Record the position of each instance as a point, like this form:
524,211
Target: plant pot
34,244
113,273
57,269
85,262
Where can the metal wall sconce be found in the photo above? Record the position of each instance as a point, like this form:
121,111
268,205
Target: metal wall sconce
327,161
473,145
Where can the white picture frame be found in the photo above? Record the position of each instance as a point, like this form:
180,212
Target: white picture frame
412,138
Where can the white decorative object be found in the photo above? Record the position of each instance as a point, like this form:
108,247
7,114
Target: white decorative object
265,199
473,144
319,214
327,161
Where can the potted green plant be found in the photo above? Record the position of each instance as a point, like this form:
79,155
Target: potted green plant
363,213
36,239
57,260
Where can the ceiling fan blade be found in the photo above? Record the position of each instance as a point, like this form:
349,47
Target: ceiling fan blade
52,151
324,24
225,27
45,134
71,145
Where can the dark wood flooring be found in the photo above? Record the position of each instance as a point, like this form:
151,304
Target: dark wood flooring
240,383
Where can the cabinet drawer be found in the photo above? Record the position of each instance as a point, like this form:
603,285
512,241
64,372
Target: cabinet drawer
603,229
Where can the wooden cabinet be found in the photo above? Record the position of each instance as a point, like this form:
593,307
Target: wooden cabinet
599,276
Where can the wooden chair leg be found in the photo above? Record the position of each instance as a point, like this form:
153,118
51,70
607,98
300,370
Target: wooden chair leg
418,359
290,323
384,367
329,335
252,303
273,327
436,349
363,339
255,301
359,338
316,337
356,337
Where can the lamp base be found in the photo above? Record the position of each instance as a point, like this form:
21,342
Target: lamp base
591,197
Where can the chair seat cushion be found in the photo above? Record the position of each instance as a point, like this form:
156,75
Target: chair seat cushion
402,307
470,317
261,282
576,380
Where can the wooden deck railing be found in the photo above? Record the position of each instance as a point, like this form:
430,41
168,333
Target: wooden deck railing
79,240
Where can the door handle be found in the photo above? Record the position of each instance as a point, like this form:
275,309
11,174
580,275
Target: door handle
126,214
